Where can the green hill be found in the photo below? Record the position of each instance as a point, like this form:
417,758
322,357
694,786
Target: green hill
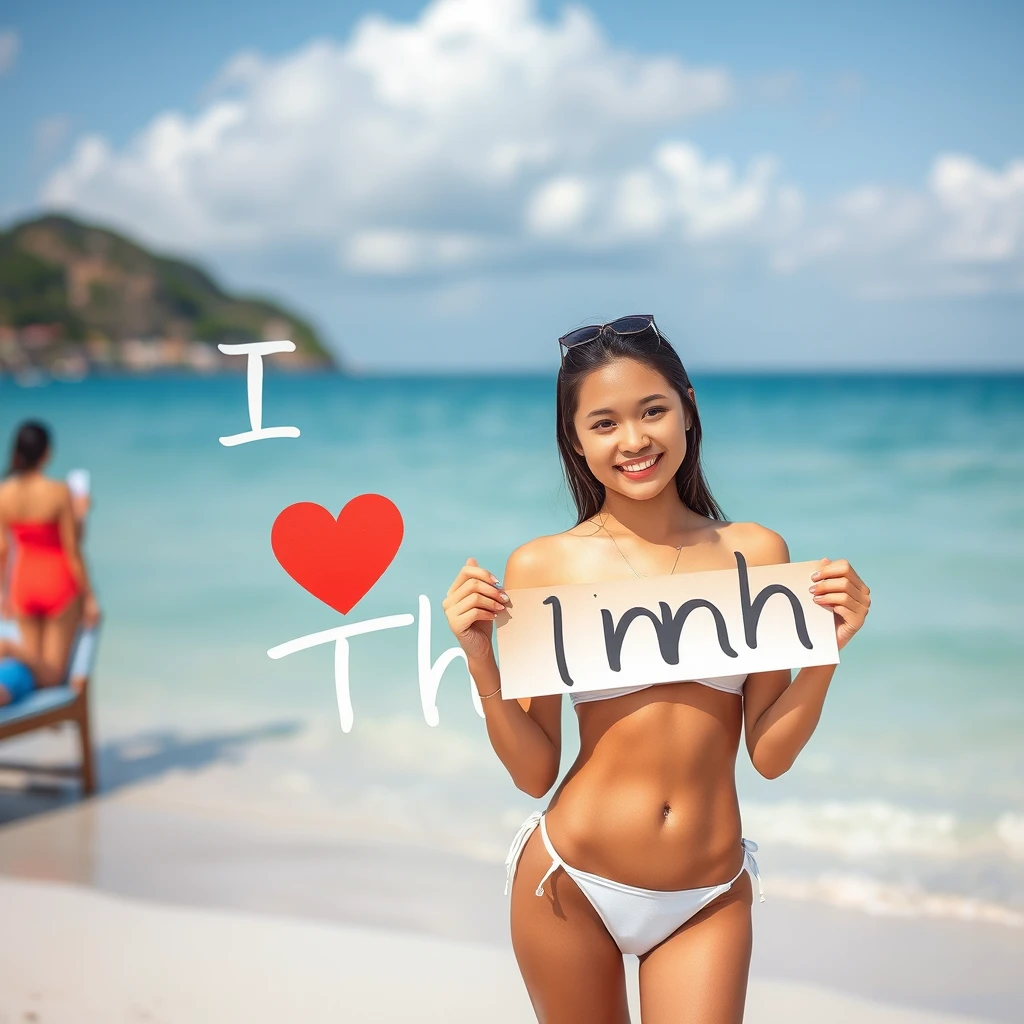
72,282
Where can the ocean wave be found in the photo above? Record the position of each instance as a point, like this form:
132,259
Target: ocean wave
859,892
1010,829
873,828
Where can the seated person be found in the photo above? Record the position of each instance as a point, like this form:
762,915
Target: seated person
18,671
50,594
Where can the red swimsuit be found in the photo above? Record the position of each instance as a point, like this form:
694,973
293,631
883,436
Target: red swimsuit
41,579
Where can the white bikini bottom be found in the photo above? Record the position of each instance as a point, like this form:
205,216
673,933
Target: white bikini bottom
637,919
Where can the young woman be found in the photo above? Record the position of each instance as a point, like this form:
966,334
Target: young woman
640,849
48,591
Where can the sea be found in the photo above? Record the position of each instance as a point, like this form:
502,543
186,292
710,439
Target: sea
909,797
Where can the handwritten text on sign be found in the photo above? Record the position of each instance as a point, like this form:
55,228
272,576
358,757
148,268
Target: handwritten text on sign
663,629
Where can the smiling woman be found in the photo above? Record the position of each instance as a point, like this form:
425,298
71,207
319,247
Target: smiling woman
662,411
645,825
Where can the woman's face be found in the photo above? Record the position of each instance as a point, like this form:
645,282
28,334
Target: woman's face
628,414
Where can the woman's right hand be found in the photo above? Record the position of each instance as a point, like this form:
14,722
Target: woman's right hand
472,604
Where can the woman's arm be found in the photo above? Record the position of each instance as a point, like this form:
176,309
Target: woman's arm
525,734
68,528
777,734
69,534
781,713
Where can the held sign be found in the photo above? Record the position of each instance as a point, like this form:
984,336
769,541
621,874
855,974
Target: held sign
664,629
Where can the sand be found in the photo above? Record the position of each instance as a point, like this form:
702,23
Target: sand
72,954
192,890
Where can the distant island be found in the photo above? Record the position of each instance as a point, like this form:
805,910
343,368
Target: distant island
75,298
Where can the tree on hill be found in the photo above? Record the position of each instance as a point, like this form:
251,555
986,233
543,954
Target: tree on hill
83,282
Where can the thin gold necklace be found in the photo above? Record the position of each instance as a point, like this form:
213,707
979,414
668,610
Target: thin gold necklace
639,575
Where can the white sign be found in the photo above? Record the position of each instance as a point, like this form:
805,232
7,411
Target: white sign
663,629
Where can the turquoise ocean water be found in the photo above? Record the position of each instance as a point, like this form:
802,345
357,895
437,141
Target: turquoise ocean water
908,799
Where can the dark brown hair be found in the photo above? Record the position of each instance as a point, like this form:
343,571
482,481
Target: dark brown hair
31,443
580,360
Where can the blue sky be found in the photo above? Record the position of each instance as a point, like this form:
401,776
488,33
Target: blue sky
453,185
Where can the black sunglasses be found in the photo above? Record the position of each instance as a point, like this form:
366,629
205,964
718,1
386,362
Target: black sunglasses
635,324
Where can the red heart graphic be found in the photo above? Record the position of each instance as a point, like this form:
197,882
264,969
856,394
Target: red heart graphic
338,560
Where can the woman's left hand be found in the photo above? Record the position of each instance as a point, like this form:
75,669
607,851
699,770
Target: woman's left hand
838,587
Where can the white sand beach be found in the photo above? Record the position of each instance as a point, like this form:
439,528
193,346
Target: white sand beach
74,954
203,893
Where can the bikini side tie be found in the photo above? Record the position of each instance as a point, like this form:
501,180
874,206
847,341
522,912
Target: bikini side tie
517,846
749,847
555,859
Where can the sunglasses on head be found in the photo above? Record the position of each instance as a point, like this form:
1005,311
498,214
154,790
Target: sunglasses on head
637,323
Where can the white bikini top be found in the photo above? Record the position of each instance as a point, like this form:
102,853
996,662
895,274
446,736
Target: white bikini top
731,684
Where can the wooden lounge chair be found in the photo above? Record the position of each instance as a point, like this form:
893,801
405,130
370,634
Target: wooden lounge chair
49,705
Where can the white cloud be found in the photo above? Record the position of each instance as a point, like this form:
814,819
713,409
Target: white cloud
10,44
638,204
961,233
707,195
676,196
482,134
396,252
453,125
984,209
558,206
385,252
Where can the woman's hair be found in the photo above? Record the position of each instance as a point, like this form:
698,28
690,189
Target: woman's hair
580,360
31,443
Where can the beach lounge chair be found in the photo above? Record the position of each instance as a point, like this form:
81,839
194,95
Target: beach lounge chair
52,704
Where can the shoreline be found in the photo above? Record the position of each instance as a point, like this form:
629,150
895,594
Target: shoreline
154,844
191,964
273,821
403,785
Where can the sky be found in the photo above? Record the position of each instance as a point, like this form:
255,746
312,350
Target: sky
452,185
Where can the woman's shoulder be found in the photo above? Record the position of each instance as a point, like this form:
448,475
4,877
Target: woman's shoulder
8,488
543,561
530,564
39,493
758,544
